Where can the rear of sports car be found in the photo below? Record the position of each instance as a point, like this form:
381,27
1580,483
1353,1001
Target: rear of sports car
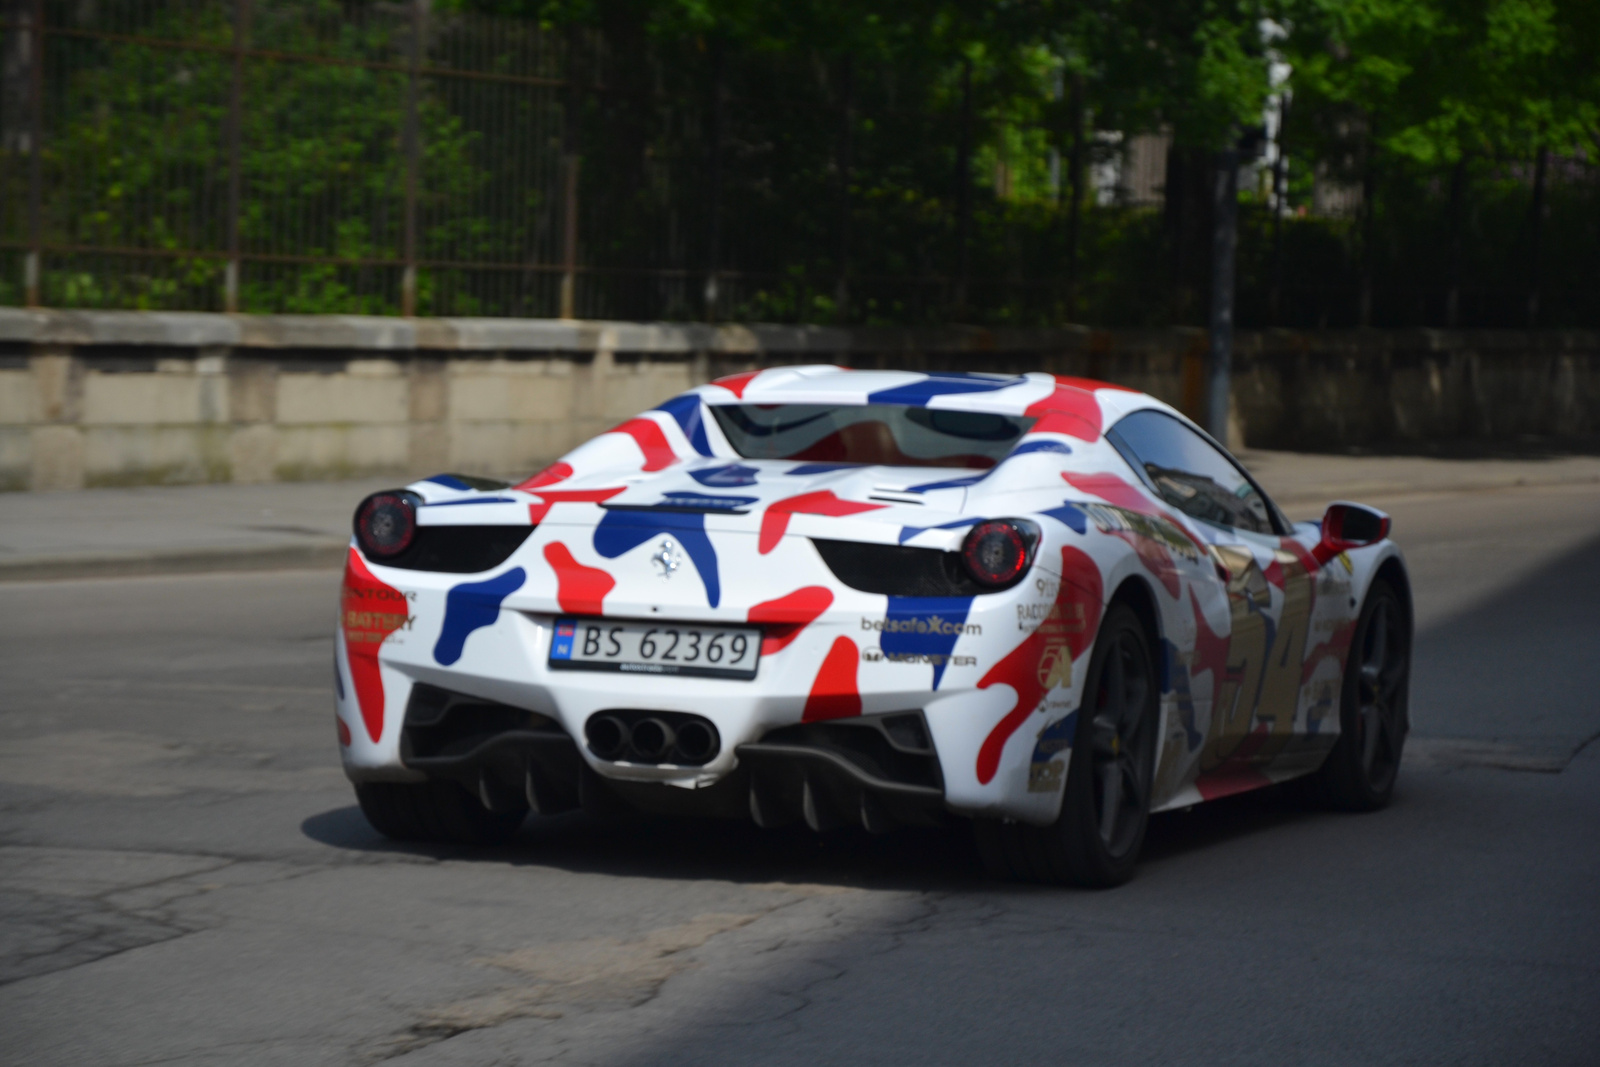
797,609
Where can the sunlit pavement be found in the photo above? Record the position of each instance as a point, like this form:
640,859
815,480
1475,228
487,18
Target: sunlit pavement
184,879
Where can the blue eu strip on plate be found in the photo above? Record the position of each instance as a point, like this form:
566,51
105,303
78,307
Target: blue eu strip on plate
562,648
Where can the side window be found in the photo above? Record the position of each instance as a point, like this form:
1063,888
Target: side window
1190,473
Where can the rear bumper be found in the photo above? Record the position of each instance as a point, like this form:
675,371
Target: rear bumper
879,770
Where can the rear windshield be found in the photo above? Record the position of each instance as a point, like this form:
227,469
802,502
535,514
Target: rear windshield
892,435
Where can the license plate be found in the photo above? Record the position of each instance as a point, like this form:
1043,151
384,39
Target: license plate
656,648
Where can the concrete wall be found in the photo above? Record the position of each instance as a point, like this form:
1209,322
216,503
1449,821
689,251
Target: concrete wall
128,398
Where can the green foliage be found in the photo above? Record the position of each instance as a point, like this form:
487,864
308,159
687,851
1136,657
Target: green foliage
847,189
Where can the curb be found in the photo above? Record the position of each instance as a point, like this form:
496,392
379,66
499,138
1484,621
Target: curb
197,561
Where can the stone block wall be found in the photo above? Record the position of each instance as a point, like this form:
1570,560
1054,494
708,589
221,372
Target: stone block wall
126,398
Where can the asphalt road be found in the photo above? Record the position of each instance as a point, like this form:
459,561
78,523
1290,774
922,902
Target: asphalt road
184,879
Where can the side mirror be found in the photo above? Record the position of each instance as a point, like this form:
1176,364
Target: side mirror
1346,526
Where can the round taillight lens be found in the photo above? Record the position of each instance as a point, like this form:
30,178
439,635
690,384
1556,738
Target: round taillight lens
386,524
996,552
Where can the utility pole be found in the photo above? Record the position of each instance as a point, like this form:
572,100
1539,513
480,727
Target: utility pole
1224,246
241,29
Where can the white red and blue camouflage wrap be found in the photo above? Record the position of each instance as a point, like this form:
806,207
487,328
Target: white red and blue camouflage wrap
1254,629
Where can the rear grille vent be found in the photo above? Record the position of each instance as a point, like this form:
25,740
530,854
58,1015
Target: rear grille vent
895,570
460,549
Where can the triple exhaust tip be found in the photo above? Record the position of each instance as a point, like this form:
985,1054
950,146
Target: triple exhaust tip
651,740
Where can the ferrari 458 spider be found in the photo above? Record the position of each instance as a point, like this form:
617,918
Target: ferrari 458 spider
1048,605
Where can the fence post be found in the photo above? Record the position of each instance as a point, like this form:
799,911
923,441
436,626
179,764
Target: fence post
1224,245
1536,213
963,190
569,190
241,27
841,288
32,266
714,227
413,152
1075,184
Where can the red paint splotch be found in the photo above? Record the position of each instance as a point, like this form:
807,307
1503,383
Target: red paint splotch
579,589
736,383
834,694
556,472
775,520
1236,774
369,611
1337,645
1157,560
785,617
1032,667
652,441
1112,489
344,731
1308,558
1210,650
1070,409
1092,384
549,498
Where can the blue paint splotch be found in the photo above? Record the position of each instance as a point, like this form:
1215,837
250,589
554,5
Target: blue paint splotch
908,532
623,531
1069,515
338,676
699,502
1039,446
917,394
691,419
474,500
819,468
1056,738
471,606
917,626
449,481
953,483
1175,680
726,476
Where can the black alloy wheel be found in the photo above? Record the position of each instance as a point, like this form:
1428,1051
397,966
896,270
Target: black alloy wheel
1095,840
1360,772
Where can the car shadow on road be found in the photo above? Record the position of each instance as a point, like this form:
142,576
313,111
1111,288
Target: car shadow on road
910,858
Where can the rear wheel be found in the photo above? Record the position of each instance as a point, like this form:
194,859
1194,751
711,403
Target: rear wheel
434,811
1096,839
1359,774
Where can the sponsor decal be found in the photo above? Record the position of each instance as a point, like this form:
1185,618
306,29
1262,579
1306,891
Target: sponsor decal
922,624
937,659
927,626
1048,766
372,614
1046,777
370,610
1080,603
1055,667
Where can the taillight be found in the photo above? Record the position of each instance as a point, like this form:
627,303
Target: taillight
997,553
386,523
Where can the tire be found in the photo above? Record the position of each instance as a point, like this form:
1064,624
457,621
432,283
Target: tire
437,811
1095,840
1374,717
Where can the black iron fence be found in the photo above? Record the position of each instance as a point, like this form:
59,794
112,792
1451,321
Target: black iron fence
340,156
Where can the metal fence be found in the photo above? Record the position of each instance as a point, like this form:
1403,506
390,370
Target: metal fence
344,156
